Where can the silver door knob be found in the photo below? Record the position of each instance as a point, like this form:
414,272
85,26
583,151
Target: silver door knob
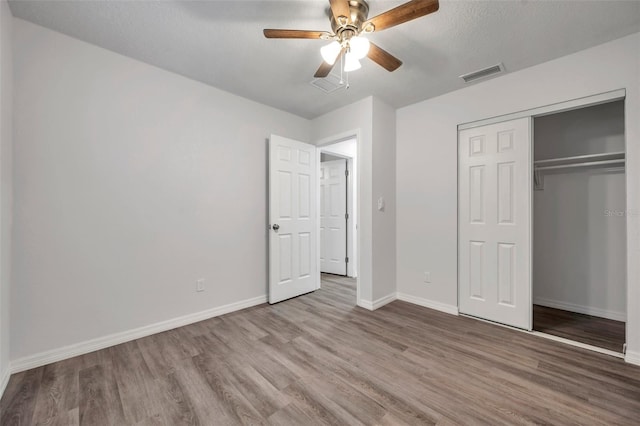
275,226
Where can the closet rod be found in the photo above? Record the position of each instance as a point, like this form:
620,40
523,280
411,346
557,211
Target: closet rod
584,164
582,158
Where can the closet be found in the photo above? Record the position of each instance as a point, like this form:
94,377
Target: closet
542,221
579,225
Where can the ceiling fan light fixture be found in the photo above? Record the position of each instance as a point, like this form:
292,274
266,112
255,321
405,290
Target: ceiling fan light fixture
330,52
349,22
359,46
351,62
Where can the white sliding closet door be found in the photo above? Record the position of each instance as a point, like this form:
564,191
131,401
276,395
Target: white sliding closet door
494,239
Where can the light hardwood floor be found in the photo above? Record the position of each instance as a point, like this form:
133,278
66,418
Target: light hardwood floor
318,359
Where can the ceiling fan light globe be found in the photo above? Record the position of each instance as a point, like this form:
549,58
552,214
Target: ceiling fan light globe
359,46
351,63
330,52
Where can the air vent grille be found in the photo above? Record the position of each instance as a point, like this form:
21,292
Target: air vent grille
483,73
329,84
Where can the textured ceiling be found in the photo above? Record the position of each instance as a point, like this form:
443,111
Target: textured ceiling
220,42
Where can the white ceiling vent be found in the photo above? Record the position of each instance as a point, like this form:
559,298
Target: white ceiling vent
329,84
483,73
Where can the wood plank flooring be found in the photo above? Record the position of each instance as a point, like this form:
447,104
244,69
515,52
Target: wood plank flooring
600,332
318,359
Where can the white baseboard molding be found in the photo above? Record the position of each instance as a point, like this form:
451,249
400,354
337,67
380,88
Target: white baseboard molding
632,357
372,306
587,310
4,380
58,354
431,304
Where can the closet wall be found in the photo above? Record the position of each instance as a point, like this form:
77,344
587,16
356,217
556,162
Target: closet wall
579,218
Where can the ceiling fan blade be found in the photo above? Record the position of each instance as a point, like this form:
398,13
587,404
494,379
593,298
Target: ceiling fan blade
403,13
269,33
340,8
325,68
383,58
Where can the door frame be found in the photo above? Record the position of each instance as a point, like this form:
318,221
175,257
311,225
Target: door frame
357,241
555,108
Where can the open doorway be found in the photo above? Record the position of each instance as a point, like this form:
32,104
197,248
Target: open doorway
338,194
334,217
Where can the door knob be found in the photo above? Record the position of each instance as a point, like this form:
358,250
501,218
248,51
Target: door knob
276,227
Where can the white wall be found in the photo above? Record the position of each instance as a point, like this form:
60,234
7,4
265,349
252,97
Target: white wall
579,259
6,134
579,241
130,183
349,148
384,186
427,162
583,131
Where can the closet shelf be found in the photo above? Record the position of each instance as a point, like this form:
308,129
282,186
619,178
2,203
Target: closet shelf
590,160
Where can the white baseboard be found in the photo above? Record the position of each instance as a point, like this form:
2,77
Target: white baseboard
4,380
438,306
632,357
372,306
58,354
367,304
587,310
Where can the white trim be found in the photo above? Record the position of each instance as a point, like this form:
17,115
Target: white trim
366,304
384,300
577,344
587,310
372,306
593,100
632,357
340,137
4,380
54,355
438,306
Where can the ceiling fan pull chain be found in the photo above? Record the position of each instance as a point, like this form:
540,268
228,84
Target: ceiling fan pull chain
341,68
347,86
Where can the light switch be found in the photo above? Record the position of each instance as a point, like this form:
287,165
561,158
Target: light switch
381,204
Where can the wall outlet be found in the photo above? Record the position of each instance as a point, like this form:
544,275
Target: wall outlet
427,277
200,284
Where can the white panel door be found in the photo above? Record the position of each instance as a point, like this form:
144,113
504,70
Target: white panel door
494,240
293,261
333,220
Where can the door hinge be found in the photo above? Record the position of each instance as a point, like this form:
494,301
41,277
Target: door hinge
346,216
346,260
346,173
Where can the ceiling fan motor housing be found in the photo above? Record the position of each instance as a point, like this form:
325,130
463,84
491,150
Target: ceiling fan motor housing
359,12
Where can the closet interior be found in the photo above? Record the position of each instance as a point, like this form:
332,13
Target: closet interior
579,225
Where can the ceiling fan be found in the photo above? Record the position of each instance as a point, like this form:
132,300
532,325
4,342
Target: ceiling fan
349,21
